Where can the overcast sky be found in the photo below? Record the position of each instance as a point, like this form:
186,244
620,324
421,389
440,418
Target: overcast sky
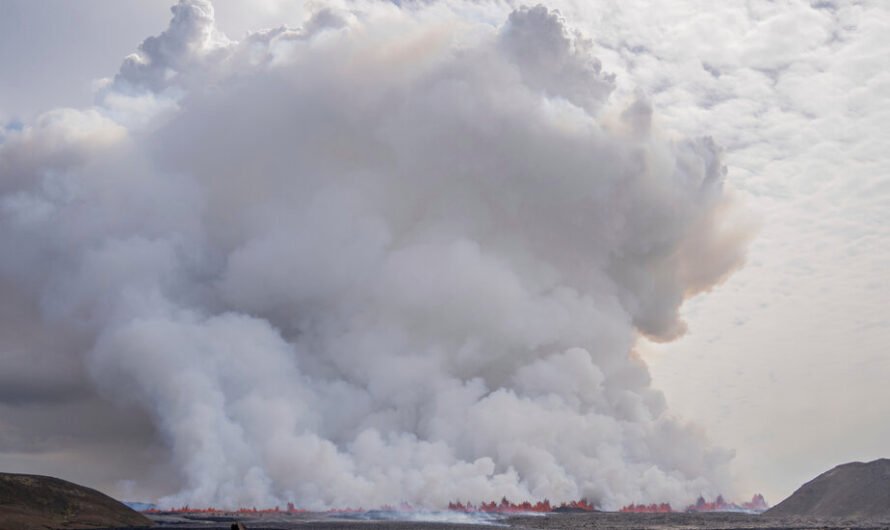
787,362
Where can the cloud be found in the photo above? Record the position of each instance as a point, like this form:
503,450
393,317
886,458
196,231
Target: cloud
802,125
390,256
178,50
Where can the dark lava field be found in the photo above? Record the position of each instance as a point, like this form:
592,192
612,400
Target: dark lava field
551,521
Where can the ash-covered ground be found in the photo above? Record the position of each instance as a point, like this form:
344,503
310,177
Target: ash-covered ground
550,521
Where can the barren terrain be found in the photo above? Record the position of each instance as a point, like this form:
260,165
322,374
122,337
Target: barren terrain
551,521
36,502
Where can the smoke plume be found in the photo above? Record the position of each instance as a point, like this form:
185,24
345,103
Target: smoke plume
399,254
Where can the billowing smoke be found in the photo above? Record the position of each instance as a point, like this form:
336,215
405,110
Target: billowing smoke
398,254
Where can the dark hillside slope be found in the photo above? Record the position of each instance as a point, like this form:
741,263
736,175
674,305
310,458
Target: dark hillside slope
857,489
35,502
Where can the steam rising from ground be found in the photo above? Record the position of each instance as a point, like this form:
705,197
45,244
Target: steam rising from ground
399,254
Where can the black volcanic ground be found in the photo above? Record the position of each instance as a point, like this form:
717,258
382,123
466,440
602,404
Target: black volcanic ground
673,521
850,496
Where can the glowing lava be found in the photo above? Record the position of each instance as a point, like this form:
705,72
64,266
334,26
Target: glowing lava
505,506
756,504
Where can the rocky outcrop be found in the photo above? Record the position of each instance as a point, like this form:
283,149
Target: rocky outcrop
36,502
854,490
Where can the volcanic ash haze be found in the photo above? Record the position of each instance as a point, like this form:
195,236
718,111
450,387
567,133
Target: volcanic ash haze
398,254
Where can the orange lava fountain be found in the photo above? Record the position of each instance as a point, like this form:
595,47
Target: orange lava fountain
756,504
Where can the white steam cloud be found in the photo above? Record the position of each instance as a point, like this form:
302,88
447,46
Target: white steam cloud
398,254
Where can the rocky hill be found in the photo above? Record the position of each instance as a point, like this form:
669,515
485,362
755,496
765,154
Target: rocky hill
35,502
854,490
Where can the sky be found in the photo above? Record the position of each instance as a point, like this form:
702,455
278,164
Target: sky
784,362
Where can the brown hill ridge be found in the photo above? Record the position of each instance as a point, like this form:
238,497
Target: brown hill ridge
854,490
35,502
